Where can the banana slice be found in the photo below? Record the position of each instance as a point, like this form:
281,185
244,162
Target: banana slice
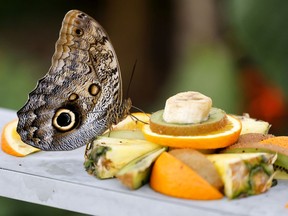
187,108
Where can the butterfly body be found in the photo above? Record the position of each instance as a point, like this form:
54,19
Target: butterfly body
81,95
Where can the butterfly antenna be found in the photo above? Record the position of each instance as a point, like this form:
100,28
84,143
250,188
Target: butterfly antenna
137,119
127,93
140,110
131,78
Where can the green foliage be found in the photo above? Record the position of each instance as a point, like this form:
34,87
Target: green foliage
261,28
17,79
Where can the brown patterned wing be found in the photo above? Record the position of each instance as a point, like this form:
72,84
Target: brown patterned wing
81,95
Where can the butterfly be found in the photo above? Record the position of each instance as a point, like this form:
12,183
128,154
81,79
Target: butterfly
81,95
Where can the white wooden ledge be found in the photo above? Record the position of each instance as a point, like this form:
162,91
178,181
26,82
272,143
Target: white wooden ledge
58,179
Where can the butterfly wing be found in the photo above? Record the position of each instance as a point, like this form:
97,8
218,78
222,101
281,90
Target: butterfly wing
71,103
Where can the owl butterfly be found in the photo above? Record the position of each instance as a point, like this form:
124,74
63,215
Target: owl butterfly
81,95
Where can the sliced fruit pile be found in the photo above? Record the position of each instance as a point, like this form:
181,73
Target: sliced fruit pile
165,155
184,173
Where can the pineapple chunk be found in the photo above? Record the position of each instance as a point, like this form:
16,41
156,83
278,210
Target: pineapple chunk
105,156
137,172
250,125
244,174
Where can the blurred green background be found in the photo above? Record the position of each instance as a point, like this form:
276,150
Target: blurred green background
234,51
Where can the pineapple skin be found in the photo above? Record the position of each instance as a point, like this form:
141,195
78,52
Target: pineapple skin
244,174
106,155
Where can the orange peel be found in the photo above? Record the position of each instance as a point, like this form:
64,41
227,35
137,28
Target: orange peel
172,177
218,139
11,142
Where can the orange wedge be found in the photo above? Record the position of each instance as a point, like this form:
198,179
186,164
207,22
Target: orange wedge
134,121
172,177
11,142
221,138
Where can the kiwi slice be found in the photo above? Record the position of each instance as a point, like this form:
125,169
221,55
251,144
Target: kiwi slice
217,120
255,145
252,138
200,164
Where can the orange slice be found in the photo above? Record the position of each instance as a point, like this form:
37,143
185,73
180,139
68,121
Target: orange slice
134,121
172,177
11,142
281,141
220,138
